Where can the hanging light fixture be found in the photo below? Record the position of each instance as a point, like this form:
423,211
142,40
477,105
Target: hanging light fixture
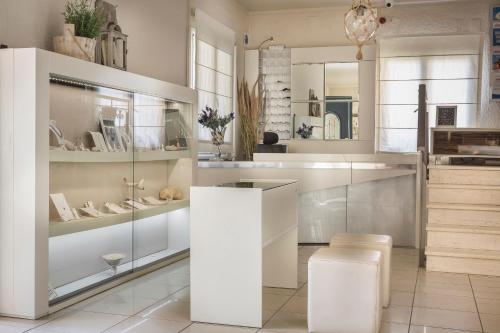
360,24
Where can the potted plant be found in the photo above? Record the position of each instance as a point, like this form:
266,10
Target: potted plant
82,24
210,118
305,131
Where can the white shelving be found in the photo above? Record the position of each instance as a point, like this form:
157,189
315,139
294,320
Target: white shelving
62,156
59,228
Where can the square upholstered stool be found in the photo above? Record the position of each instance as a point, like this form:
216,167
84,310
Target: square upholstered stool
382,243
344,291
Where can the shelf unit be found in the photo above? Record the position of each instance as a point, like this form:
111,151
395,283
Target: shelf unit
34,247
60,228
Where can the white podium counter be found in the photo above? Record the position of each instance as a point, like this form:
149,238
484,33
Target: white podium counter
243,237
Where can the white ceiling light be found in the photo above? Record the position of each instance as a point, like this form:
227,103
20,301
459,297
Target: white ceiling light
360,24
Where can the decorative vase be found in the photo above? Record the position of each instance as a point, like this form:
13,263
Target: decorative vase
75,46
218,140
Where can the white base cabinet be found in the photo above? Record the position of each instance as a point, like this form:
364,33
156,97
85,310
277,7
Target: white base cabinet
242,239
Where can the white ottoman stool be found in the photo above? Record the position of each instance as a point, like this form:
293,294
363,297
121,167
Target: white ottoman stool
344,291
382,243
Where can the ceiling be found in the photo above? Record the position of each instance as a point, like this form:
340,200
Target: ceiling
263,5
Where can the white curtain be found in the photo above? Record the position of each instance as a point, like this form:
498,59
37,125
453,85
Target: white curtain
213,68
447,65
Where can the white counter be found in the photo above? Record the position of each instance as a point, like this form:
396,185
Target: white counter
242,238
377,193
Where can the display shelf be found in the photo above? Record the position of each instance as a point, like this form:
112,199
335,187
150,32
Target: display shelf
59,228
63,156
108,274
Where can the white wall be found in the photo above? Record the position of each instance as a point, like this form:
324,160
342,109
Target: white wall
157,31
325,27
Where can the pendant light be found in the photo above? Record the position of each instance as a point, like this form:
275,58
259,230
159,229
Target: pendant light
360,24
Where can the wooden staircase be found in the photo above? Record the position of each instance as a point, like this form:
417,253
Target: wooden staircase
463,230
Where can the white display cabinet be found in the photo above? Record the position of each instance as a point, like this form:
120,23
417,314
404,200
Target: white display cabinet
115,136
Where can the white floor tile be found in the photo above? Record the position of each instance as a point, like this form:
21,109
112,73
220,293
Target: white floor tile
148,325
445,319
296,304
397,314
401,298
126,305
491,323
285,322
80,322
428,329
487,292
169,309
273,301
278,291
490,306
210,328
11,329
394,328
485,281
435,301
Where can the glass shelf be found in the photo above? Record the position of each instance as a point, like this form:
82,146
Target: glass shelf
61,156
59,228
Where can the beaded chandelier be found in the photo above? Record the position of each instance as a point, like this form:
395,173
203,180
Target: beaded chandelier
360,24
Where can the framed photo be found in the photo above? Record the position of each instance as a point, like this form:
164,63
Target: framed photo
495,13
99,142
111,134
62,207
446,116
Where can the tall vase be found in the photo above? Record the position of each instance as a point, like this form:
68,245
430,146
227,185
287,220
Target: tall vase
218,140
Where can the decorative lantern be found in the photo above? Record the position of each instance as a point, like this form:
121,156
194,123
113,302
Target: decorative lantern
111,48
360,24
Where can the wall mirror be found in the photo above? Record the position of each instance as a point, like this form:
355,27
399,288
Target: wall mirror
325,101
341,101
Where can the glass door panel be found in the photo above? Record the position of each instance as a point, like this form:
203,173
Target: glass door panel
90,166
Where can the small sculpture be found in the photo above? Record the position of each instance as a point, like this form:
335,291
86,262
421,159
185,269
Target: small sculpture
171,193
113,260
139,185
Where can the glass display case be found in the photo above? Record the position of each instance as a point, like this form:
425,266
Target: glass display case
119,177
96,166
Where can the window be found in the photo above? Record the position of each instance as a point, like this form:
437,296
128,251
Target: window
212,68
447,65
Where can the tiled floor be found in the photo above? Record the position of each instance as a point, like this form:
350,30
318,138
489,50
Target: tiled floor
159,302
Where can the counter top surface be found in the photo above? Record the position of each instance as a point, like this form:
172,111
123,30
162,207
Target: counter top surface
259,185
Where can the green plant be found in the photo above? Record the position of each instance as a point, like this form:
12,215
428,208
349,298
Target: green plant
87,20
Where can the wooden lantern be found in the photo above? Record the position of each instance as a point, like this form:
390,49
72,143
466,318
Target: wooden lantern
111,47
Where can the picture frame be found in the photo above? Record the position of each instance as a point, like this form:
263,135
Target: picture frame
446,116
111,134
62,206
99,143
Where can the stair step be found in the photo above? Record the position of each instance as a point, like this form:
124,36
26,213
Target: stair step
458,214
464,194
463,261
465,176
463,237
464,229
462,253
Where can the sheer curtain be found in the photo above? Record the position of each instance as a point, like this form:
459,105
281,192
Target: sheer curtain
213,68
447,65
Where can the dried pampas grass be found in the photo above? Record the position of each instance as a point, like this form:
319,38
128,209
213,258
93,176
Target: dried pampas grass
249,112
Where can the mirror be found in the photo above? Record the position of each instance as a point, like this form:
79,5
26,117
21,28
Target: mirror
325,101
341,101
